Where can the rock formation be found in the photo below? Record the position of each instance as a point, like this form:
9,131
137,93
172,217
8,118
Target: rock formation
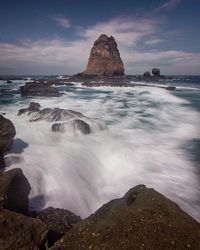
14,191
156,72
142,219
105,58
7,133
39,89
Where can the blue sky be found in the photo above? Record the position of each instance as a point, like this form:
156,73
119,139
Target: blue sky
55,36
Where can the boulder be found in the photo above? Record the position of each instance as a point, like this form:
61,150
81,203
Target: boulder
7,133
21,232
142,219
76,124
33,107
58,221
38,89
105,58
146,74
156,72
14,191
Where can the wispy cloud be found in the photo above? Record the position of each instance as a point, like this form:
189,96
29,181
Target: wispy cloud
169,5
62,21
153,41
49,56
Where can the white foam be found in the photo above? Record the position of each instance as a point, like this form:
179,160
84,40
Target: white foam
147,129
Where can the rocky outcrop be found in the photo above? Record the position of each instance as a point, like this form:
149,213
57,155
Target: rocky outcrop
7,133
39,89
76,125
146,74
33,107
156,72
105,58
142,219
14,191
21,232
59,222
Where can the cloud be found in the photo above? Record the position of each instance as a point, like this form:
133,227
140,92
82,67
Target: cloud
61,56
153,42
62,21
169,5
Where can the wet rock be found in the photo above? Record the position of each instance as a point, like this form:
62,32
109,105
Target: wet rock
21,232
104,58
7,133
14,191
59,221
39,89
146,74
76,124
170,87
156,72
142,219
33,107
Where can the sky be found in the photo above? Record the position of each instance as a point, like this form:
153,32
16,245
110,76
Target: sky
50,37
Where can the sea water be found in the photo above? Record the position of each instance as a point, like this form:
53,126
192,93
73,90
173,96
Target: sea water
150,136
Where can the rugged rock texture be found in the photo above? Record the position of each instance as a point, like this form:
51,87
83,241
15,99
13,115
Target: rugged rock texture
38,89
142,219
14,191
21,232
7,133
77,125
59,221
105,58
33,107
156,72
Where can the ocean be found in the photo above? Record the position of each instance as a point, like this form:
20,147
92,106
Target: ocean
150,136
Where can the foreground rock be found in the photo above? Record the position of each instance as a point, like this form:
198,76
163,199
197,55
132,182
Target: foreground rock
39,89
21,232
105,58
142,219
7,133
14,191
59,221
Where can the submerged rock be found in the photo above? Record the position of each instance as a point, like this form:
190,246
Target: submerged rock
14,191
77,125
7,133
142,219
58,221
38,89
105,58
21,232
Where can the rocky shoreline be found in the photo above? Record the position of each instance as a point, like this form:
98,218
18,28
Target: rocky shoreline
141,219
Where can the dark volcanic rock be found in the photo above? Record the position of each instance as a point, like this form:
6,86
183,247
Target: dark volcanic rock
14,191
105,58
142,219
170,87
7,133
59,221
21,232
156,72
39,89
33,107
146,74
76,124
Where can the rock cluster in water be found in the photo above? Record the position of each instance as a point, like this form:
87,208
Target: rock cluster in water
142,219
105,58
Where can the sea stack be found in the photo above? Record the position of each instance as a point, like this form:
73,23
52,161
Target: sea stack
105,58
